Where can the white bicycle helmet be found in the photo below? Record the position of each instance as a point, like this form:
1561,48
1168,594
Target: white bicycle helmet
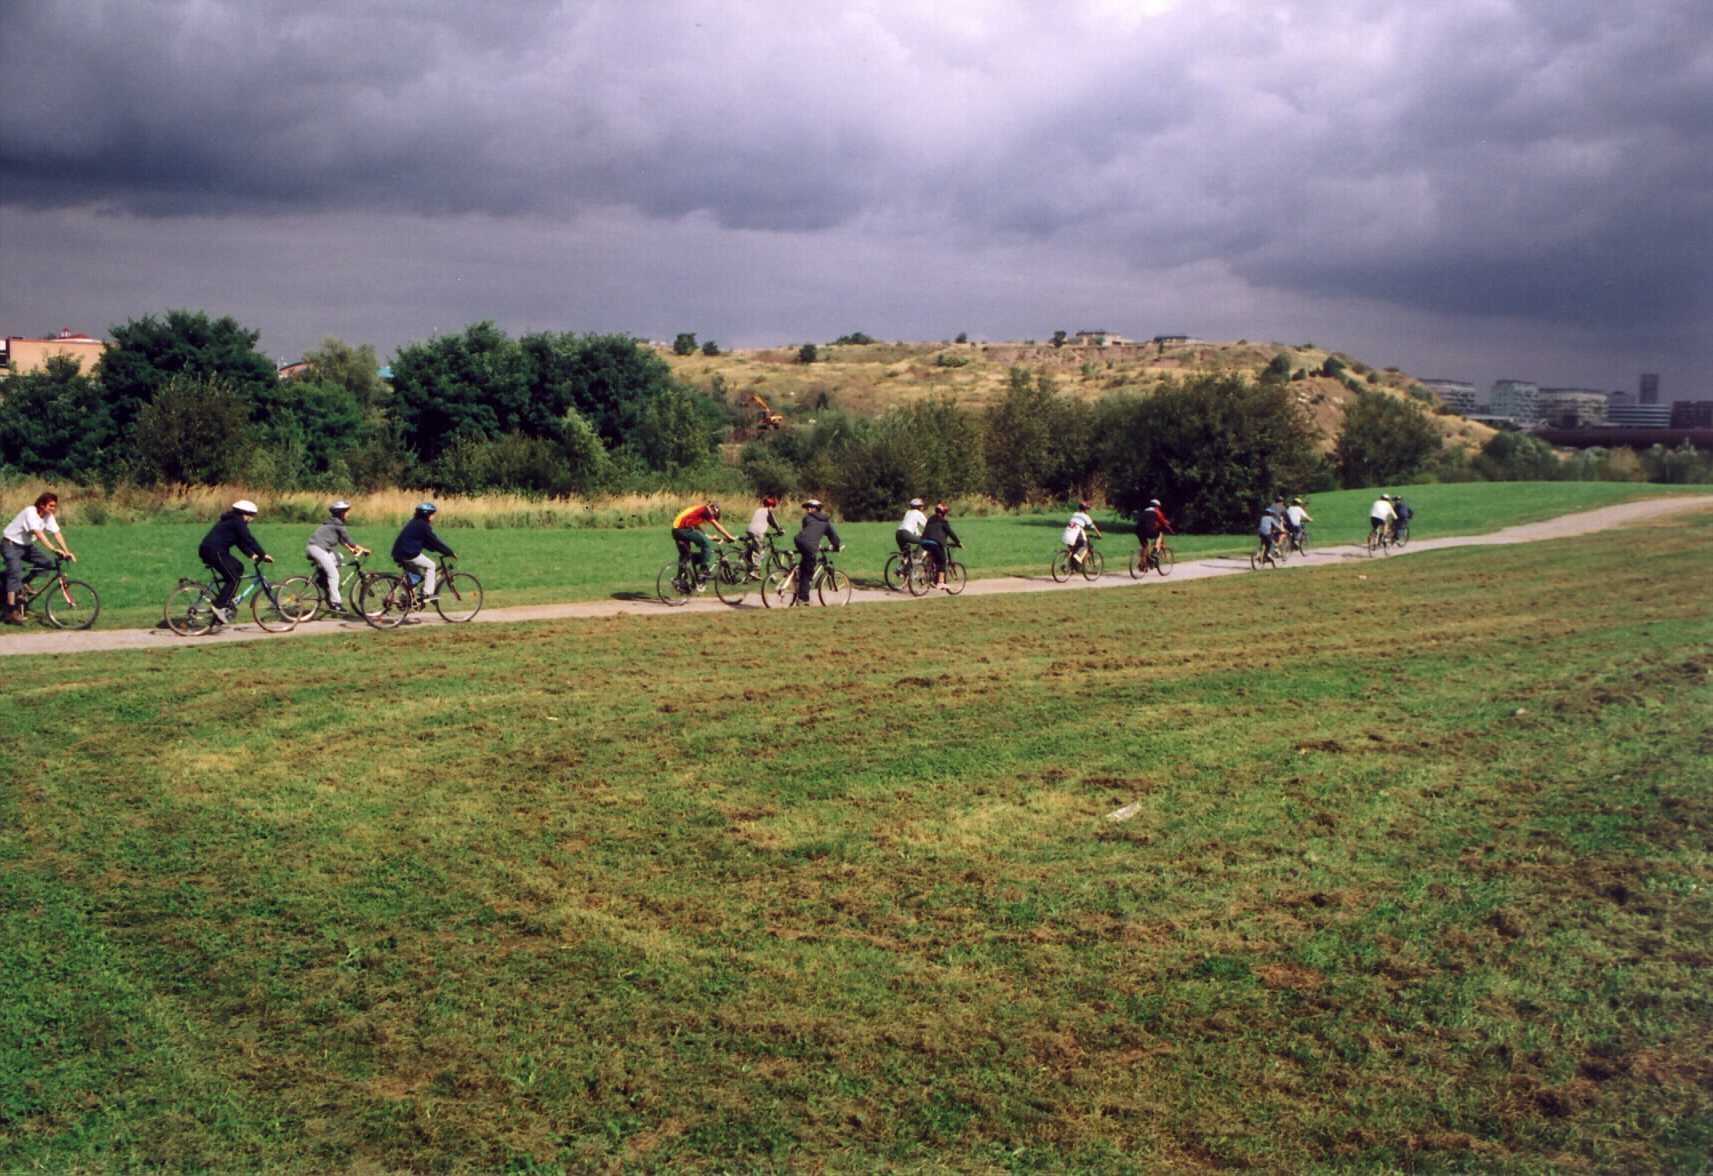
245,506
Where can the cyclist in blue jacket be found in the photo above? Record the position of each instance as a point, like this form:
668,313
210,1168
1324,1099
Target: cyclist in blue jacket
416,537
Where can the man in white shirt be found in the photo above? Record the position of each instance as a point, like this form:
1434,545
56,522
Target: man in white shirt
910,527
1073,536
18,546
1381,514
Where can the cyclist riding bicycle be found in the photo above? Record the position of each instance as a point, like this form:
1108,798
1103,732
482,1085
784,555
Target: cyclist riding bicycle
1073,535
760,524
324,545
1268,530
18,546
937,537
909,532
817,525
687,532
1403,515
1296,516
1380,514
415,537
231,530
1152,527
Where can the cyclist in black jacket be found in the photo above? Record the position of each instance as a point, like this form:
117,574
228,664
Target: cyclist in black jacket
937,537
816,526
418,535
215,550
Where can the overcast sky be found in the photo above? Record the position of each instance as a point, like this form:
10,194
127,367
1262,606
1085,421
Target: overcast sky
1466,188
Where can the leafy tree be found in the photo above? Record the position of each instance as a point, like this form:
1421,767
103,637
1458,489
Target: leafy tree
1680,466
315,419
1510,456
710,348
855,338
606,378
475,384
356,369
949,443
195,431
1216,448
1279,368
1332,368
1038,442
676,428
1059,338
963,337
55,423
808,353
149,351
685,343
1383,439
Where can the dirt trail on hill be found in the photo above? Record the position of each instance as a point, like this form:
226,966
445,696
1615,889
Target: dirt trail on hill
1562,527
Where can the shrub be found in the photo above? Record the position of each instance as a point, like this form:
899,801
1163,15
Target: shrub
195,431
808,353
1383,439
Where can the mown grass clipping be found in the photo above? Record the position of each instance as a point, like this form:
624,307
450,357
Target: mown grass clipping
1415,874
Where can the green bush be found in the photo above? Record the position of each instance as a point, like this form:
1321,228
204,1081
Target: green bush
1383,440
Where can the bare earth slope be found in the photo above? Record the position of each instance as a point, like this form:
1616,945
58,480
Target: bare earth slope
1563,527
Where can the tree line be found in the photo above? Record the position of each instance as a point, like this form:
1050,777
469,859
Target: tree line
185,398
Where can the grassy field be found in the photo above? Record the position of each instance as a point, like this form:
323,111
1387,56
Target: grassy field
134,566
1417,878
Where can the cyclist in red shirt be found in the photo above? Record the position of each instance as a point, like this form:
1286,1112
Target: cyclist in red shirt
1152,527
687,531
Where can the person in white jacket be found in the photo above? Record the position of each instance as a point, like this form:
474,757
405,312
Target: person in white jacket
1381,514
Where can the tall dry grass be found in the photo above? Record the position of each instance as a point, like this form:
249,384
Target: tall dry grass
95,506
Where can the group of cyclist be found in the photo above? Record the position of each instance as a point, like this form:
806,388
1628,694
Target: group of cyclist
932,534
326,542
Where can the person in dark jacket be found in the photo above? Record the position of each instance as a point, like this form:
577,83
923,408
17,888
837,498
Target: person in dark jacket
231,530
937,538
416,537
816,526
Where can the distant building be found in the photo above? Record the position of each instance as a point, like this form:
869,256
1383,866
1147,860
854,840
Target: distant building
1456,395
290,371
1692,414
1619,398
1641,416
1515,399
1572,408
1098,339
1649,388
1173,340
25,355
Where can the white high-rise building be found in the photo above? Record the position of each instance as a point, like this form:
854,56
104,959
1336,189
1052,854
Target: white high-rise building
1516,399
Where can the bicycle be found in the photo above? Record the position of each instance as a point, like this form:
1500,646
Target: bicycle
683,578
923,575
1297,542
899,567
352,581
390,597
1400,534
768,555
1379,539
1145,560
1266,555
779,589
66,604
1092,565
190,611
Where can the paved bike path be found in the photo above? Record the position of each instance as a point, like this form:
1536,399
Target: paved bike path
1562,527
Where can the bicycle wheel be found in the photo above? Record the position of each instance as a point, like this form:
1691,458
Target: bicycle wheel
274,612
1402,537
779,588
1162,561
1094,564
71,604
896,572
303,595
1060,568
833,587
189,610
385,601
1373,542
1138,564
672,587
731,582
921,577
459,598
956,577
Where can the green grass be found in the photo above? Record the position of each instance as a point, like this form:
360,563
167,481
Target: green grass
135,566
1419,878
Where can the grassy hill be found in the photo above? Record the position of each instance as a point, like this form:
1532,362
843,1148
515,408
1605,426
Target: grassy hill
871,378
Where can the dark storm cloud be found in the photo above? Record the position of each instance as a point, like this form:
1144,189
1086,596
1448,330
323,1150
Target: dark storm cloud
1545,159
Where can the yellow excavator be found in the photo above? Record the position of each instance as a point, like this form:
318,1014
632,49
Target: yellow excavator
765,417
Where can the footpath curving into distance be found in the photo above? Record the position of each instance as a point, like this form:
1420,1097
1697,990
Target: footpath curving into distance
1563,527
